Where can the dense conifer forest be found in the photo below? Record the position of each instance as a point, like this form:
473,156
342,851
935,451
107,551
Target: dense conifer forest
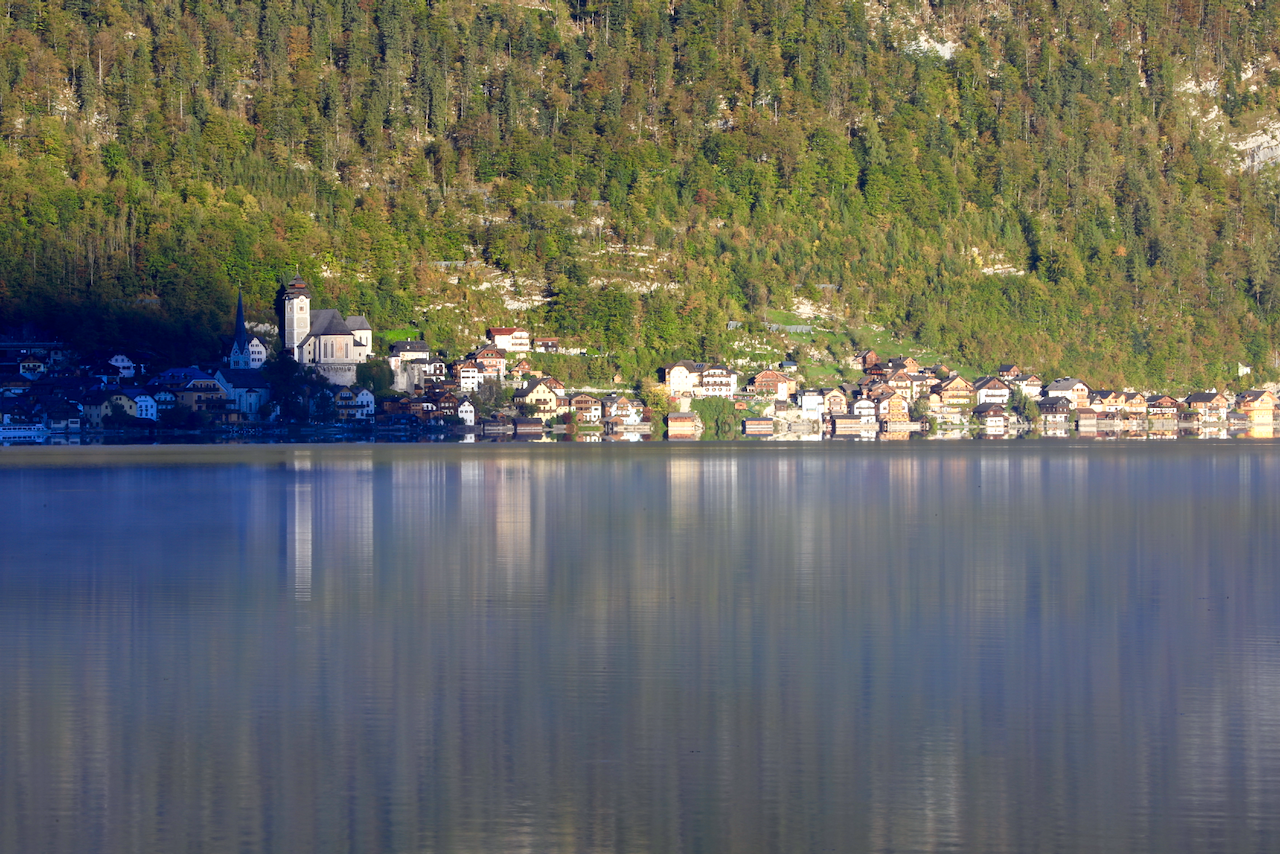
1048,183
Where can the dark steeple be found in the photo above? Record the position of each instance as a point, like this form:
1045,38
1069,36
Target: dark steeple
242,334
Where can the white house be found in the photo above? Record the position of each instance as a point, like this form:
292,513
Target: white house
992,390
683,377
145,405
512,339
1074,390
718,381
123,364
468,373
412,364
864,410
616,406
467,411
248,388
366,403
811,402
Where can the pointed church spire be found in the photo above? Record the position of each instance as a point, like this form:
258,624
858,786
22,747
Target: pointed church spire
242,334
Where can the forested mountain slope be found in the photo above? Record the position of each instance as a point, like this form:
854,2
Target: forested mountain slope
1051,184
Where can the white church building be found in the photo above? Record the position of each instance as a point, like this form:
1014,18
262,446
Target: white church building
248,352
323,338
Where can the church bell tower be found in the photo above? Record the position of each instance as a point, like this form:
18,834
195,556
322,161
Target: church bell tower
297,314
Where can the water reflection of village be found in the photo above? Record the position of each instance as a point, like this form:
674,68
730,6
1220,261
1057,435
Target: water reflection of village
669,590
739,649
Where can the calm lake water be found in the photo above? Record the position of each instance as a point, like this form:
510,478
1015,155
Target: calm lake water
1020,647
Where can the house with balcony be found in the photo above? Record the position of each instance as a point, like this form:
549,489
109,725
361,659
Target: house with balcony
1211,405
773,384
586,408
717,381
510,339
541,398
1074,390
492,362
1259,406
991,390
681,378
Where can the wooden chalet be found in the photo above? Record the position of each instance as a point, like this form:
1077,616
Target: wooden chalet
1211,405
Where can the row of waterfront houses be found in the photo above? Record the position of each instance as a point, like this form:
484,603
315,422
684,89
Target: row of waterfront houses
414,364
893,396
71,401
901,396
49,385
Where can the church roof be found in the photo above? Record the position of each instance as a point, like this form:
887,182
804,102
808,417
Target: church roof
401,347
358,321
327,321
242,378
178,377
297,287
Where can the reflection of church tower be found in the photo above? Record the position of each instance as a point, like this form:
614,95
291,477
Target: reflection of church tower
298,518
297,314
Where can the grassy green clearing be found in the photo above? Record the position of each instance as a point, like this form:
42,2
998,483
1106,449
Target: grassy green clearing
822,354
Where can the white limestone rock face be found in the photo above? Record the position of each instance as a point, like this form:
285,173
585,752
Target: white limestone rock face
1259,148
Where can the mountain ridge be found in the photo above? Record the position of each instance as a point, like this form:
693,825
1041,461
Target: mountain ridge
1004,181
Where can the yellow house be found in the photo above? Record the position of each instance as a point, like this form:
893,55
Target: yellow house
834,401
202,394
126,403
892,407
1260,406
541,398
955,391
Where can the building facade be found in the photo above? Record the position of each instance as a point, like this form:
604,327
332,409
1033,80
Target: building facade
322,338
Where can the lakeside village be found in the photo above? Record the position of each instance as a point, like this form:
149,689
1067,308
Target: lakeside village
49,394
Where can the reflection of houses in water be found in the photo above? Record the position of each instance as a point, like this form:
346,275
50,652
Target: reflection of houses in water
344,501
497,498
335,505
920,808
683,477
421,488
698,483
905,483
995,476
298,520
720,478
512,512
